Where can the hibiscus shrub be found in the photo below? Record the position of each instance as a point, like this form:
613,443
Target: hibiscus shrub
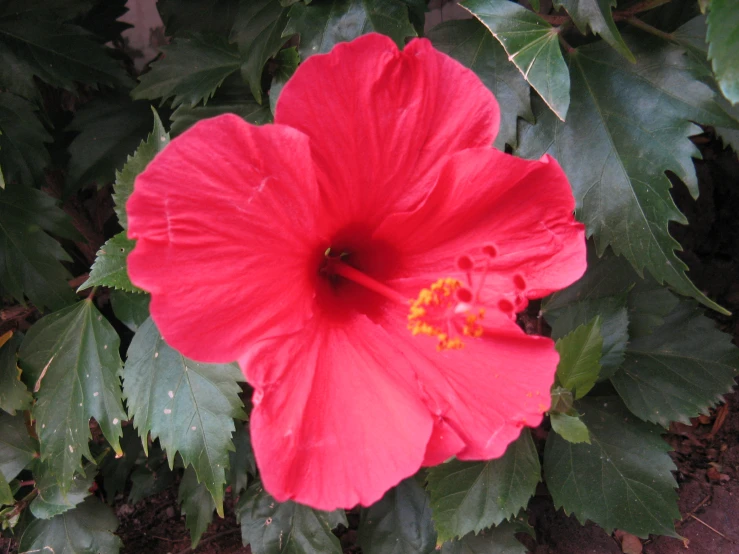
312,262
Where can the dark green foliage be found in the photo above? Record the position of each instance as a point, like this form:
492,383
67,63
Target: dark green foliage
613,95
286,528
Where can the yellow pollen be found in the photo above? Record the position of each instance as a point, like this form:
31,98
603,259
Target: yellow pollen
433,312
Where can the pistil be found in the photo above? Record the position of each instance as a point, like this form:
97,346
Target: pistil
337,267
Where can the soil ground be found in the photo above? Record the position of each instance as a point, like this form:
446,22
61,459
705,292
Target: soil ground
706,453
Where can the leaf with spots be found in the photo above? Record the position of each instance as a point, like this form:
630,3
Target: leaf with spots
470,496
622,479
109,269
87,529
271,527
71,358
188,406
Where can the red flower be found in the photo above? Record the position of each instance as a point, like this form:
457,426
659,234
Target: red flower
296,248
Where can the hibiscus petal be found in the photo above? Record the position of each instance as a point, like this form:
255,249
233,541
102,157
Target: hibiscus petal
484,392
521,209
381,121
222,219
337,417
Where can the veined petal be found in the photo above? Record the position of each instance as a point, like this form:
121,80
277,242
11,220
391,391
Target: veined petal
224,220
337,417
487,201
381,121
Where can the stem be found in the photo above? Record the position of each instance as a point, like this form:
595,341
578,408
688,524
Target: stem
644,6
639,24
356,276
555,19
565,44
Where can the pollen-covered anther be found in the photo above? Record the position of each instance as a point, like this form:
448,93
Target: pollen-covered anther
444,311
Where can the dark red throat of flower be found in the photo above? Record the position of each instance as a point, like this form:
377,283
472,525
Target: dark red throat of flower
445,310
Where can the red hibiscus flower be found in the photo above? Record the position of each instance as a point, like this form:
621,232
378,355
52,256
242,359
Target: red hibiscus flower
363,259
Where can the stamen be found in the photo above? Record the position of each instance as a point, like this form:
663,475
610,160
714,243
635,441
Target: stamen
444,311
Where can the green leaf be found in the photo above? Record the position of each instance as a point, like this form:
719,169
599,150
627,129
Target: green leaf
29,258
322,25
135,164
271,527
287,62
569,427
17,448
189,406
72,357
470,43
115,470
601,289
190,71
52,500
579,358
13,393
470,496
723,40
400,523
109,269
151,475
131,308
60,54
649,304
233,97
16,75
596,15
23,154
614,328
532,45
6,495
212,16
258,33
500,539
622,479
197,505
241,460
615,150
679,371
88,529
109,128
